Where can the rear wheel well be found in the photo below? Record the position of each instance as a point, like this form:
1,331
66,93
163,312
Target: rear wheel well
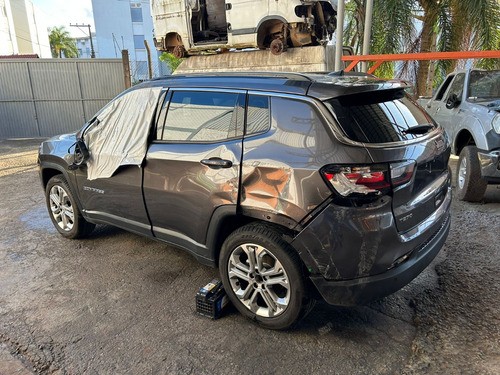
172,40
231,223
47,174
266,31
464,138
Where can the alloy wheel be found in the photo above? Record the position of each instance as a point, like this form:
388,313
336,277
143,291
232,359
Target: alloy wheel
61,208
259,280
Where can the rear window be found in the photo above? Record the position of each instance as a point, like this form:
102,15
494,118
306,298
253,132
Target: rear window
379,117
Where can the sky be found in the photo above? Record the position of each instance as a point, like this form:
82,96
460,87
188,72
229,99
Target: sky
64,12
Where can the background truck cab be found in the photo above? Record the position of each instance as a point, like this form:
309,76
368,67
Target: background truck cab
190,26
467,106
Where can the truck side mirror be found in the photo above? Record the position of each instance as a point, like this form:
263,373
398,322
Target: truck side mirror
453,101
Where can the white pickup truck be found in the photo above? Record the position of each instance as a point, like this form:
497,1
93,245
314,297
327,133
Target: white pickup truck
467,106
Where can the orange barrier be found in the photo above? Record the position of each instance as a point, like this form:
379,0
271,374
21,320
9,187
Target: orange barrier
380,59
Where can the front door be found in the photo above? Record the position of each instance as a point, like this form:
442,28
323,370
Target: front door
448,117
114,195
193,166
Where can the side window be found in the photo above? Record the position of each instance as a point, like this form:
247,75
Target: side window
258,114
202,117
444,87
457,85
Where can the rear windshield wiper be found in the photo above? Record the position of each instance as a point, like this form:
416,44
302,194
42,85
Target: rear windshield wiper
419,129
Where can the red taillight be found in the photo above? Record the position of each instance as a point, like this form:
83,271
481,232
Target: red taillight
368,179
357,179
402,172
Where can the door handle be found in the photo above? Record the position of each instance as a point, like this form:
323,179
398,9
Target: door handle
217,163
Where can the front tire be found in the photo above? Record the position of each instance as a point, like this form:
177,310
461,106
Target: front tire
63,210
263,277
470,184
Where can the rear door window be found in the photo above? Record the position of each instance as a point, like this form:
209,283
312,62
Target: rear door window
258,114
378,117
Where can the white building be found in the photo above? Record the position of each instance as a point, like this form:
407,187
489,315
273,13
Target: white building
85,48
22,30
125,24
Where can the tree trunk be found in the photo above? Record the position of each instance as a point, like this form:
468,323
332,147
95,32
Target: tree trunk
430,18
432,69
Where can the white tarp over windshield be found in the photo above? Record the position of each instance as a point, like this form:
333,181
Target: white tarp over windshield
120,137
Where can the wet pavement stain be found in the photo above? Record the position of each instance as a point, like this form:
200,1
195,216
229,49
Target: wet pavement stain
37,219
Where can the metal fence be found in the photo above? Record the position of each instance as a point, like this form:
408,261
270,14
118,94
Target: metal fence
42,98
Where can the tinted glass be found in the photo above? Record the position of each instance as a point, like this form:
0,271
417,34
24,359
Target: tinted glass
203,117
378,118
484,85
443,88
258,114
457,87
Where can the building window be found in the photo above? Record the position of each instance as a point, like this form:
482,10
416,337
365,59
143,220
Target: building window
136,12
139,42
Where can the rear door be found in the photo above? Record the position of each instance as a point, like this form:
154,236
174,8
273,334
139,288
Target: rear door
193,165
243,16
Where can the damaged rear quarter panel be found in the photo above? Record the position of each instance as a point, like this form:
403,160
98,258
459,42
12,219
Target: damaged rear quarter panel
280,169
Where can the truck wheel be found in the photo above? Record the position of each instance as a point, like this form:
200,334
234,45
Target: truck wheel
277,47
63,210
470,185
179,52
262,275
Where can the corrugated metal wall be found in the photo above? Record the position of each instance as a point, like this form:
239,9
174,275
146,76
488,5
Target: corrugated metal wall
42,98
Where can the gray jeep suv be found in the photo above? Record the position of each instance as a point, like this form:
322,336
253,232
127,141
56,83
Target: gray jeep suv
295,186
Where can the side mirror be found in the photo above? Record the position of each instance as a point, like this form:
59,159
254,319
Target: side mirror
80,156
453,101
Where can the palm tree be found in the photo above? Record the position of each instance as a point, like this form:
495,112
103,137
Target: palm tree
61,43
425,26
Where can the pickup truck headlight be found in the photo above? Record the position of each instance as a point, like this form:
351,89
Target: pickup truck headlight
496,123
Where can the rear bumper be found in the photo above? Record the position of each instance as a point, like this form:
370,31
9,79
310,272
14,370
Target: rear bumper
363,290
490,164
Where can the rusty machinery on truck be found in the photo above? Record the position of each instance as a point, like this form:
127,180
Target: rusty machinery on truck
188,27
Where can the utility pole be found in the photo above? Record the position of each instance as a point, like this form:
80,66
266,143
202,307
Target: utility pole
339,45
92,52
367,33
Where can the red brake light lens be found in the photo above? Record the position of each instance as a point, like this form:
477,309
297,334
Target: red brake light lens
401,173
358,179
369,179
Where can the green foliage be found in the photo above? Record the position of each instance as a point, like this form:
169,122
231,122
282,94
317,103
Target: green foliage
171,61
61,43
458,25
